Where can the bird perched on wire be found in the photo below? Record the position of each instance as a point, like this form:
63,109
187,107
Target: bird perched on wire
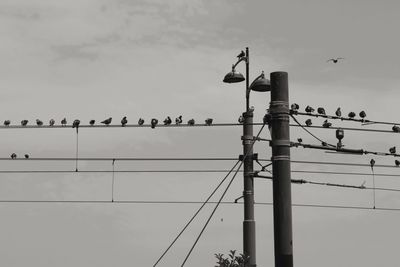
241,119
13,156
26,156
154,123
191,122
392,150
352,115
124,121
178,120
140,121
372,163
338,112
321,111
64,122
309,109
76,123
295,107
167,120
397,163
308,122
242,54
92,122
335,60
52,122
208,121
24,122
39,122
300,140
107,121
396,128
326,124
362,114
7,122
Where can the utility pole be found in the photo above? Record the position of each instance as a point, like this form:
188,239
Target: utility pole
279,110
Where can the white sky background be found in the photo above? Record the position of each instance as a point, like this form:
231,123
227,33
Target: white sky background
95,59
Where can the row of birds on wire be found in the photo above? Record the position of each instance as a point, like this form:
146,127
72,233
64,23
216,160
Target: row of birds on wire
124,121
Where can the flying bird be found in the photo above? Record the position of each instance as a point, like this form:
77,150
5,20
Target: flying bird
64,122
26,156
396,128
7,122
76,123
39,122
308,122
208,121
107,121
295,107
326,124
52,122
321,111
154,123
191,122
178,120
338,112
241,119
392,150
92,122
352,115
362,114
140,121
242,54
397,163
24,122
167,120
124,121
309,109
335,60
13,156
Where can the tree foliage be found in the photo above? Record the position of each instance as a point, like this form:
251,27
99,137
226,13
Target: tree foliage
232,260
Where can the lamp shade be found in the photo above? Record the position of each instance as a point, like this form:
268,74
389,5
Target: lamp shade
233,77
261,85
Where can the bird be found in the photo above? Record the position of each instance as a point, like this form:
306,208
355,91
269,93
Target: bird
64,122
362,114
26,156
107,121
92,122
397,163
372,163
167,120
392,150
191,122
124,121
309,109
178,120
267,119
242,54
338,112
7,122
52,122
39,122
321,111
295,107
308,122
299,140
241,119
208,121
76,123
24,122
352,115
396,128
140,121
335,60
154,123
326,124
13,156
324,144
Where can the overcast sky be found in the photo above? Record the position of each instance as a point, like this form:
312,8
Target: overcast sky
92,59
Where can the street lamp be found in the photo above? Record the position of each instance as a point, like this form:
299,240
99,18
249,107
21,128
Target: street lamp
260,84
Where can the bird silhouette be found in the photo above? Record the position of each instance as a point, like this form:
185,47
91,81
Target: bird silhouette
64,122
76,123
308,122
396,128
338,112
295,107
209,121
154,123
178,120
397,163
7,122
24,122
326,124
242,54
13,156
140,121
52,122
92,122
124,121
39,122
241,119
167,120
362,114
191,122
352,115
309,109
324,144
372,163
321,111
392,150
26,156
299,140
107,121
335,60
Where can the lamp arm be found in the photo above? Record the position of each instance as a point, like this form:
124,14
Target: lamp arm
240,60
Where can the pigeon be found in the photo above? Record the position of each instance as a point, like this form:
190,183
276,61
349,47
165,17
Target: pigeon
141,121
396,128
338,112
242,54
64,122
7,122
392,150
92,122
335,60
267,118
178,120
76,123
52,122
167,120
321,111
372,163
124,121
107,121
326,124
241,119
324,144
39,122
24,122
352,115
397,163
362,114
299,140
295,107
13,156
208,121
309,109
26,156
191,122
308,122
154,123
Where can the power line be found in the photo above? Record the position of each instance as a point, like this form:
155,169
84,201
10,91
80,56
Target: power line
124,159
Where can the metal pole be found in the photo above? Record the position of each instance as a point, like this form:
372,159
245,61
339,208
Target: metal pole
249,228
279,109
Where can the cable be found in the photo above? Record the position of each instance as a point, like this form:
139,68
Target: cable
124,159
112,180
77,148
115,171
345,128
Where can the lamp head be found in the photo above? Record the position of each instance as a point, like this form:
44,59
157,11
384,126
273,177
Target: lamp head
233,77
261,84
